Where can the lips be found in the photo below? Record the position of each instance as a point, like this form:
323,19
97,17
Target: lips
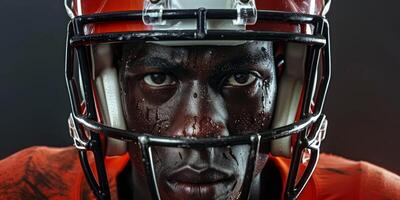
206,182
189,175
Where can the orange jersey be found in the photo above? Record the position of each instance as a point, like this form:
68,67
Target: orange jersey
55,173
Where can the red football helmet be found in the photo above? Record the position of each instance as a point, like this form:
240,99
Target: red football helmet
297,28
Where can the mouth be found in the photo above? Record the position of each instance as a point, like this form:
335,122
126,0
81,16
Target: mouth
204,182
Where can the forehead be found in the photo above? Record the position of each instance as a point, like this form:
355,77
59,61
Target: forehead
249,46
260,50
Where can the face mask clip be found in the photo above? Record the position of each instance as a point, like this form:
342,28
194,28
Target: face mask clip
246,12
153,11
79,142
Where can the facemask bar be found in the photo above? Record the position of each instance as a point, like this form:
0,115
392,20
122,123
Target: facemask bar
82,143
311,141
309,122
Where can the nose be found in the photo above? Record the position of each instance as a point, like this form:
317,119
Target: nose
200,113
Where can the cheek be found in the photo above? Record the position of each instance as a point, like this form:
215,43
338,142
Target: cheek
156,96
147,110
136,160
250,109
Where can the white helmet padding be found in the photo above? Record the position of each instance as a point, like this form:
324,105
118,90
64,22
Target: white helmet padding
290,88
108,92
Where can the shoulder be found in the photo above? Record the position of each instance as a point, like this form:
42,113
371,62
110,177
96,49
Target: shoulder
38,173
339,178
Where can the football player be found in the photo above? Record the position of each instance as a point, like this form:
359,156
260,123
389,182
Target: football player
195,99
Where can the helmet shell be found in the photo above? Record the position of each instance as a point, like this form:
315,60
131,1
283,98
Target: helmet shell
88,7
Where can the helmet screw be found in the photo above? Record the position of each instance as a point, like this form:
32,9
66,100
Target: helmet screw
154,1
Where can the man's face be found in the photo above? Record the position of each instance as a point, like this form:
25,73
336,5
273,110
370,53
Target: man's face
197,91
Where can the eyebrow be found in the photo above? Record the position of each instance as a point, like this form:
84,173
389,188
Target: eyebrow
158,63
236,63
241,62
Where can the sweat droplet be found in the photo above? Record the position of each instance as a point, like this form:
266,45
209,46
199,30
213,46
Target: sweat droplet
232,155
180,155
234,185
226,157
147,113
263,49
194,125
157,117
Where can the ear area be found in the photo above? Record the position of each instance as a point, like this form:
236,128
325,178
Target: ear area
289,94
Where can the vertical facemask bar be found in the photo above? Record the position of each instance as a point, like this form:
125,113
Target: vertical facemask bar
322,91
147,159
315,52
81,144
69,72
313,144
250,166
304,143
293,190
201,22
101,189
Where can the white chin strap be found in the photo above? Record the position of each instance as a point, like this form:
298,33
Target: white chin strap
289,94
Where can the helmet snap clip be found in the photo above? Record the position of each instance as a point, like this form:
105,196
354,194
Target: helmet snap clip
153,11
246,12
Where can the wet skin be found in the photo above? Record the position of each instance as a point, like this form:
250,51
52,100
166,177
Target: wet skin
197,91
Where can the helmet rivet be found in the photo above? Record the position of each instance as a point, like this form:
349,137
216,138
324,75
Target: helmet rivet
245,1
154,1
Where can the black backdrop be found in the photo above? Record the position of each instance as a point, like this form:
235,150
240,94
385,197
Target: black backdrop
363,105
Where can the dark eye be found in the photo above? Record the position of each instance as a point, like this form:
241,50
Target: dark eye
240,79
159,80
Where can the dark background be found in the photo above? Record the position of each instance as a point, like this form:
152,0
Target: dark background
363,105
